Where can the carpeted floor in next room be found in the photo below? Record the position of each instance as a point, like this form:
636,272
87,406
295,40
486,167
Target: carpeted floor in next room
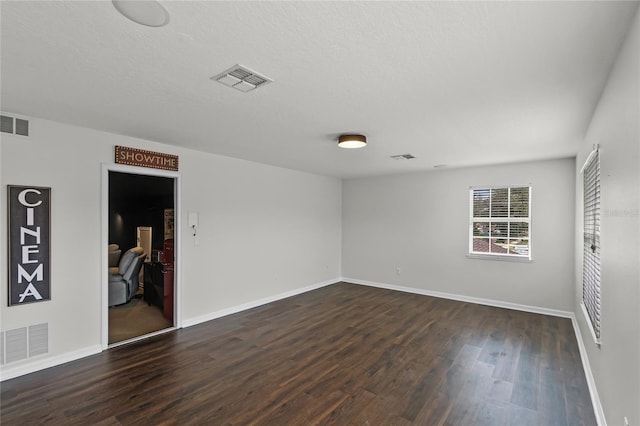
134,319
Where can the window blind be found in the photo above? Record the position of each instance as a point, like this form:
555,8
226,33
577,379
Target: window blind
500,221
591,246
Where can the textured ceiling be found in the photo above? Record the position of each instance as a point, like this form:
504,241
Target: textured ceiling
455,83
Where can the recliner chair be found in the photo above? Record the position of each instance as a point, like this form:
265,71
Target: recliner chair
114,255
123,279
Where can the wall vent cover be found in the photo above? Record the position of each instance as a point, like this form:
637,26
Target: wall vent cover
16,344
241,78
24,342
14,125
1,347
38,339
403,157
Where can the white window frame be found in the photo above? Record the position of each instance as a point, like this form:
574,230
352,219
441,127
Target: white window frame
499,256
591,277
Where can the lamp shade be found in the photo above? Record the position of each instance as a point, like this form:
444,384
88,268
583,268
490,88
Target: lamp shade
352,141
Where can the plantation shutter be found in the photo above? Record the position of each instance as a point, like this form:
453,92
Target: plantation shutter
591,235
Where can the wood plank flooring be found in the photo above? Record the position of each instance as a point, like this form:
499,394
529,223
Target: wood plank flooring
344,354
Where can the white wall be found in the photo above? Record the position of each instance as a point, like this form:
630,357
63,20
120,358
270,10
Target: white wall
420,223
263,230
616,363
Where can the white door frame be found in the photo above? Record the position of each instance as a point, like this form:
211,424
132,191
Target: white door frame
177,299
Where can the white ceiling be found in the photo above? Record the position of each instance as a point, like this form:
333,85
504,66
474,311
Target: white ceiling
455,83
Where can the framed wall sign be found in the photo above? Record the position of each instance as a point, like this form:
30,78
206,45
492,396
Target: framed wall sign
143,158
29,234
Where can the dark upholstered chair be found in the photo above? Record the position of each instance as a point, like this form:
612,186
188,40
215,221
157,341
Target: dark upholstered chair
123,279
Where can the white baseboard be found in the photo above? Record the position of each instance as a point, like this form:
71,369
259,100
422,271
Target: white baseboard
7,373
255,303
595,398
461,298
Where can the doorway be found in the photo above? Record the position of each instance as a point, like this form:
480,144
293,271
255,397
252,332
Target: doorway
139,278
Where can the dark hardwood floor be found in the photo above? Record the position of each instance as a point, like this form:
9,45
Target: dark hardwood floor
343,354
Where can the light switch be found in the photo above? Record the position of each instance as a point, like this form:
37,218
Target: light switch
193,219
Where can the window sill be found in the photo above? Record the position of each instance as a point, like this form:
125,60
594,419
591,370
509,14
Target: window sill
499,258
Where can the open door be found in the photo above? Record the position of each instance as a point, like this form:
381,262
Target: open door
140,212
144,238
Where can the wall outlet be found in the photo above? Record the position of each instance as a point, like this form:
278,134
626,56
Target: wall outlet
398,271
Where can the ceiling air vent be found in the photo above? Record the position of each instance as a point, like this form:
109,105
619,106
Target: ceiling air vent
241,78
403,157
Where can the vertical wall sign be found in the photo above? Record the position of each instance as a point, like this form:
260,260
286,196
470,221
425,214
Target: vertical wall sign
29,223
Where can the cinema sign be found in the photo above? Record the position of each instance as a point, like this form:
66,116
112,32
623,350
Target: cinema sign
29,232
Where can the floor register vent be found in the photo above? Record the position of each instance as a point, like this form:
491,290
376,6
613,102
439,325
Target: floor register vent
24,342
14,125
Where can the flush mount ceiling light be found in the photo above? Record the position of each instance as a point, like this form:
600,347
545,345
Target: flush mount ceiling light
144,12
352,141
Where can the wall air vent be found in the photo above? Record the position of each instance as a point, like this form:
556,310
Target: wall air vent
241,78
2,348
403,157
14,125
16,344
24,342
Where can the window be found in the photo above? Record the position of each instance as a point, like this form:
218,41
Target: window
591,243
500,222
